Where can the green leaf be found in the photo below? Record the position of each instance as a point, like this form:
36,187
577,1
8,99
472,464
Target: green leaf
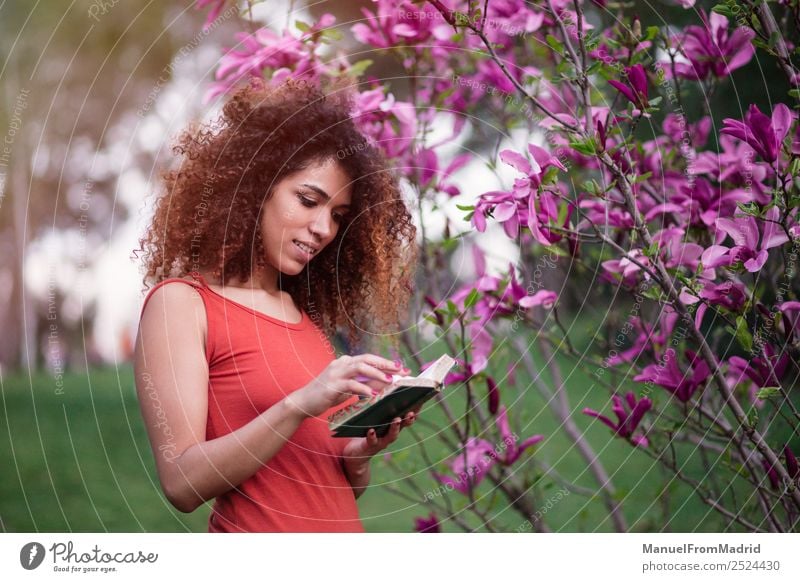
465,207
652,32
358,68
555,44
451,308
587,147
472,298
724,10
795,167
431,319
302,26
743,335
752,417
767,392
332,34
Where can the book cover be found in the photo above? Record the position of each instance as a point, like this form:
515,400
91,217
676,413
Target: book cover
396,400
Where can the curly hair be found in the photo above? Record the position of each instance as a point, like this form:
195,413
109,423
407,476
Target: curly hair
207,217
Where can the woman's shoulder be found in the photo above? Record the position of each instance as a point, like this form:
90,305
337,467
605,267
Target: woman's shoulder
173,295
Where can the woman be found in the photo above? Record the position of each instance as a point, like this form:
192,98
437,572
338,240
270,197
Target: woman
280,225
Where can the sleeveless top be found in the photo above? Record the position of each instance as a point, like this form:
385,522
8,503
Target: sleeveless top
254,361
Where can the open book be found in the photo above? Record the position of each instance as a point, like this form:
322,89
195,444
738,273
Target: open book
396,400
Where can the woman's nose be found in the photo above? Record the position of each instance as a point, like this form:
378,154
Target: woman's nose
323,224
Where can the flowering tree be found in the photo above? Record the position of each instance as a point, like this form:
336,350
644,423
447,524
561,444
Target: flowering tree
698,226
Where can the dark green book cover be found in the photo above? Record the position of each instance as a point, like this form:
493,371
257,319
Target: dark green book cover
378,412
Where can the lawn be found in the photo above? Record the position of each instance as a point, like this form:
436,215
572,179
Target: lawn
78,460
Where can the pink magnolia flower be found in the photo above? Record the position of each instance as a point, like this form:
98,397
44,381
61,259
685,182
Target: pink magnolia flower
792,468
493,395
472,465
391,125
748,247
626,268
497,297
216,9
765,135
758,369
511,451
469,471
629,415
283,56
428,524
396,23
526,204
670,376
430,175
635,89
791,320
711,50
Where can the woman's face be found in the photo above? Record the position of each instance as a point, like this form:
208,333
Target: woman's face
304,214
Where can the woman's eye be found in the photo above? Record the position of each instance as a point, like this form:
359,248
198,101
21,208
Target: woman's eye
307,201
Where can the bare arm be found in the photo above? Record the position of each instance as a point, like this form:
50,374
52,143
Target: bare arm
172,383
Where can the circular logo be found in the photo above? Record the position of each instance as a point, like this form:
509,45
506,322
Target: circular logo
31,555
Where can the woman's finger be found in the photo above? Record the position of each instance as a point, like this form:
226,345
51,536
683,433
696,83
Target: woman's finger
392,367
355,387
369,372
409,419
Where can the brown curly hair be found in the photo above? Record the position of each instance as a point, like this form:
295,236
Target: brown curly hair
206,219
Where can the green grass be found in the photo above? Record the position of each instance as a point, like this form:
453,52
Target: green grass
80,461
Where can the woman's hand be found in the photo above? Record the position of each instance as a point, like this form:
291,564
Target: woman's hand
361,450
338,382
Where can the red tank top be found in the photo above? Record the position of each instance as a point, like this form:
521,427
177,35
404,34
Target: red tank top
254,361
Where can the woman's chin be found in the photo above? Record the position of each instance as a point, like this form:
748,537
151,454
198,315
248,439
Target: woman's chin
291,268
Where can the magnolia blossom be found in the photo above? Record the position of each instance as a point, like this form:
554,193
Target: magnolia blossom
512,451
629,413
711,50
283,56
628,267
668,375
473,464
526,204
749,247
498,297
792,468
391,125
428,524
763,372
790,322
216,9
635,89
395,23
764,134
470,467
